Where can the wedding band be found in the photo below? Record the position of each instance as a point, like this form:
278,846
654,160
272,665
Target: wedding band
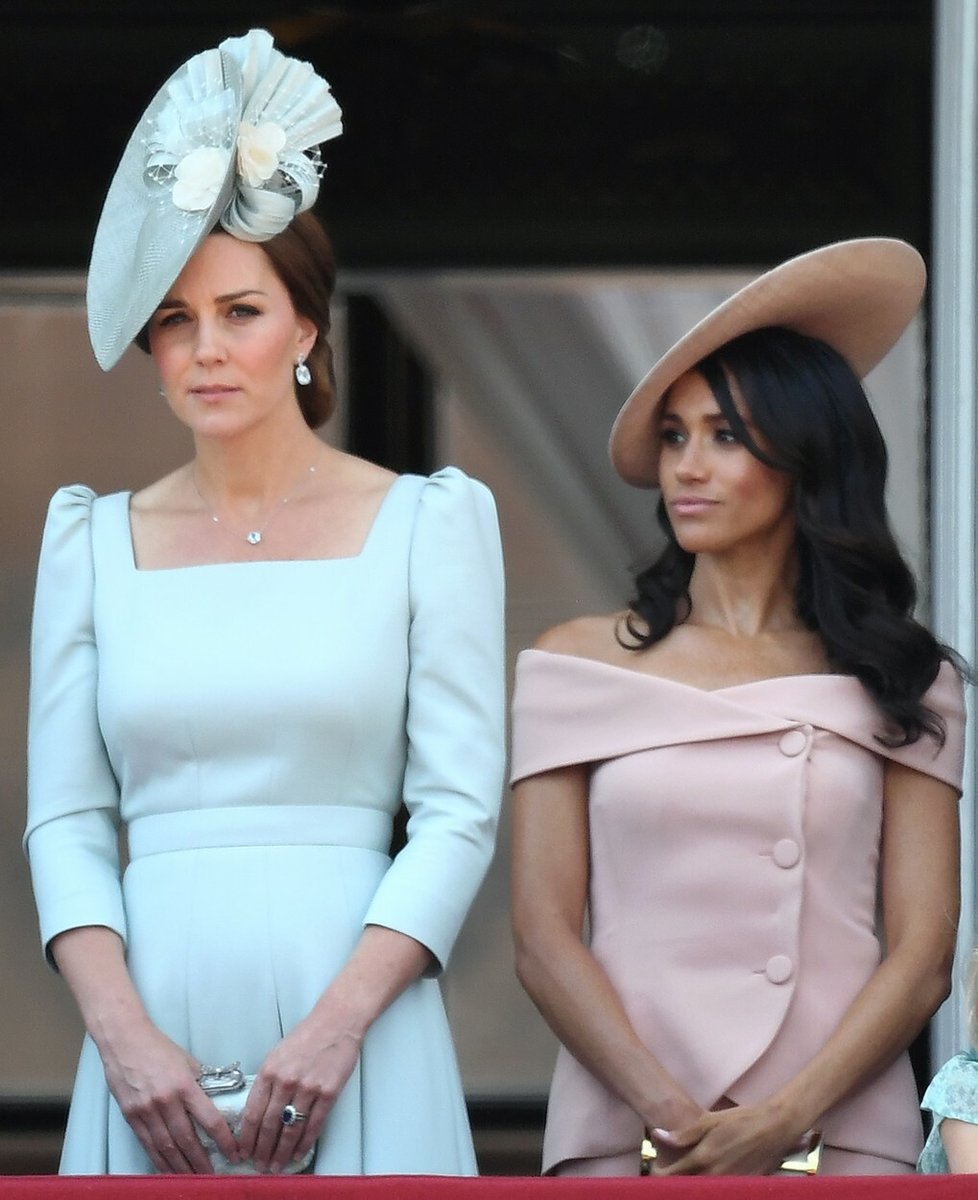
291,1115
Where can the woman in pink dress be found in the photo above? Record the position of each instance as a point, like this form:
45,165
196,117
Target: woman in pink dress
746,784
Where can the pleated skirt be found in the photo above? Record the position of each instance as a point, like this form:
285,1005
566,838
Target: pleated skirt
229,948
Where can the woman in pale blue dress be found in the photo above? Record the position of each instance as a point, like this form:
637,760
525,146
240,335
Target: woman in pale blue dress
952,1100
247,667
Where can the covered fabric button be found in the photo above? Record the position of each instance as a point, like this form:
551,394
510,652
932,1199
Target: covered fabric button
793,743
786,853
779,968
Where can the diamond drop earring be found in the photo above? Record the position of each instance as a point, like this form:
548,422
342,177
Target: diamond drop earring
302,373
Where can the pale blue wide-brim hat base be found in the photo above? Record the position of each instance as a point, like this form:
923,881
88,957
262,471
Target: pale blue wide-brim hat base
858,296
143,241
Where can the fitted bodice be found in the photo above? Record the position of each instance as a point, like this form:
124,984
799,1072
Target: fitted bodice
193,705
358,682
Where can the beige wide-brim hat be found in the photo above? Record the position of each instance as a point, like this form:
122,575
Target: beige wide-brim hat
857,296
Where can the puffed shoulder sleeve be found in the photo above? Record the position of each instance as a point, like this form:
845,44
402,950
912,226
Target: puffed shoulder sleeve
945,697
456,710
71,838
953,1092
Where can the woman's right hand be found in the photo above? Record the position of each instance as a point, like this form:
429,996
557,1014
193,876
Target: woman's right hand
676,1113
153,1080
155,1085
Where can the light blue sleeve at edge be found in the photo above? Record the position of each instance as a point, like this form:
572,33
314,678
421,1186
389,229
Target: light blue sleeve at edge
71,838
953,1092
456,711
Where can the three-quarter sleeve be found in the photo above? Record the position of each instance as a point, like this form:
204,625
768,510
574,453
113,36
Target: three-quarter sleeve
71,838
455,723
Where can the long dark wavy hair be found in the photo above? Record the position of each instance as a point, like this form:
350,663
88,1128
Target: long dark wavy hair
854,588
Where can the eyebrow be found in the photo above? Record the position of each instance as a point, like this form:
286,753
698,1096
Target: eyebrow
714,418
176,302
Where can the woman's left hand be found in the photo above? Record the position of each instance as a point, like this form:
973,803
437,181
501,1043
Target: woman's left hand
307,1071
745,1140
310,1066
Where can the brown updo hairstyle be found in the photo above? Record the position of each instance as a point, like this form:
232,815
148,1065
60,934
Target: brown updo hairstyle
302,257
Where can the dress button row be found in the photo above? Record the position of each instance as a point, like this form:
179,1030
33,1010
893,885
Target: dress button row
779,968
795,741
786,853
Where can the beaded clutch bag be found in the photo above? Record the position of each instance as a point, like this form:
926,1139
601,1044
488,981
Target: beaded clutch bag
229,1088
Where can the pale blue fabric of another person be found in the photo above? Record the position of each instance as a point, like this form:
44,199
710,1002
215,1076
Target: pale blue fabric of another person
255,727
953,1092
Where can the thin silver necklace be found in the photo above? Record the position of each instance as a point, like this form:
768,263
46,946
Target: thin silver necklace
253,537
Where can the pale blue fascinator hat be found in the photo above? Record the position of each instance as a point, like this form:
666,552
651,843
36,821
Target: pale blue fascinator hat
231,139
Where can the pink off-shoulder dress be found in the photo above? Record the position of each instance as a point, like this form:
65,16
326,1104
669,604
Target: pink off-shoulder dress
735,843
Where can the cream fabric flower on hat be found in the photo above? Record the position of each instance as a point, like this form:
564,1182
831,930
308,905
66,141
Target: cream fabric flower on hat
277,92
199,177
258,149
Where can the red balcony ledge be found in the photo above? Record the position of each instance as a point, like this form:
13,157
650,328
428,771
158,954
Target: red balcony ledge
424,1187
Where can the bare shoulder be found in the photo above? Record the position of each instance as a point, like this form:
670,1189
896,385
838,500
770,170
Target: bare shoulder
166,494
585,637
357,474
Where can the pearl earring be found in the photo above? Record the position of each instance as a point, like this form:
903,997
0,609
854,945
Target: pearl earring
302,373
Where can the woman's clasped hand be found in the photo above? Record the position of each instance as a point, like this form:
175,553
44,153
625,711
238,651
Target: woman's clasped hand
156,1086
293,1094
735,1140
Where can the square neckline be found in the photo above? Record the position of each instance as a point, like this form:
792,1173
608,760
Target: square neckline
126,513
